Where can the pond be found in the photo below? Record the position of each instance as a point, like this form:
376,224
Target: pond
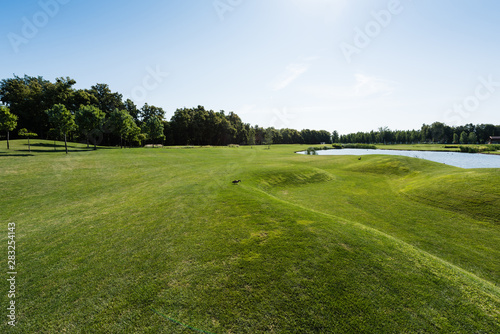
462,160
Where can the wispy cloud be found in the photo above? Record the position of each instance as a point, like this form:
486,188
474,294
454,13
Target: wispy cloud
369,86
363,87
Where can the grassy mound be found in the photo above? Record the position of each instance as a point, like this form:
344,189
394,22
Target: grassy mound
121,241
290,177
384,165
473,193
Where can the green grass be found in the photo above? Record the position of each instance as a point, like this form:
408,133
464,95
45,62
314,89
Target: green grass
109,241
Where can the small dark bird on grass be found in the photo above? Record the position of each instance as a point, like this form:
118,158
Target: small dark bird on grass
359,158
236,181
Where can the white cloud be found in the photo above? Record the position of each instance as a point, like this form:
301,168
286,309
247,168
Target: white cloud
369,86
363,87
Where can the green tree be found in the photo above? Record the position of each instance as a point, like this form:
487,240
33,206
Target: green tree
134,134
148,111
132,110
8,122
268,137
62,120
472,138
251,136
335,137
122,123
456,139
25,98
25,133
80,97
437,131
239,133
59,92
106,100
425,133
384,134
153,127
90,120
464,138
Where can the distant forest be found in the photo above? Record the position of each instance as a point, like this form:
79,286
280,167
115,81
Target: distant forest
117,122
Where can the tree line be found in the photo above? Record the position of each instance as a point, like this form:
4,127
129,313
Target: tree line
437,132
99,116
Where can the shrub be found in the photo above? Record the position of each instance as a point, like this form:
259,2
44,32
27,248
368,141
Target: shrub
492,148
469,149
312,151
479,149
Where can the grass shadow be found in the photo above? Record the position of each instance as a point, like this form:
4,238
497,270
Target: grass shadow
49,148
15,155
59,150
45,145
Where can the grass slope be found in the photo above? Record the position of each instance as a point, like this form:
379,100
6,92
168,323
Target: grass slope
115,241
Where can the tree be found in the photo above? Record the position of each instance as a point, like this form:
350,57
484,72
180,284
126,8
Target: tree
268,137
153,127
239,134
59,92
455,138
8,122
134,134
25,99
437,130
90,120
25,133
464,138
472,138
425,133
80,97
106,100
384,131
122,123
148,111
335,136
251,136
62,120
132,110
324,136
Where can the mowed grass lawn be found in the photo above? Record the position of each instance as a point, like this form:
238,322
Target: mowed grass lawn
142,240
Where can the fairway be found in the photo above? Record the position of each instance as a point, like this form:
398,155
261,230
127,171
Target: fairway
160,240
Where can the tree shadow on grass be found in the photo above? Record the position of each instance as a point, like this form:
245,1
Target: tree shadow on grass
16,155
59,147
45,145
58,151
49,148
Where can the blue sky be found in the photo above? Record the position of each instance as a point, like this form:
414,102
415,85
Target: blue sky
320,64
